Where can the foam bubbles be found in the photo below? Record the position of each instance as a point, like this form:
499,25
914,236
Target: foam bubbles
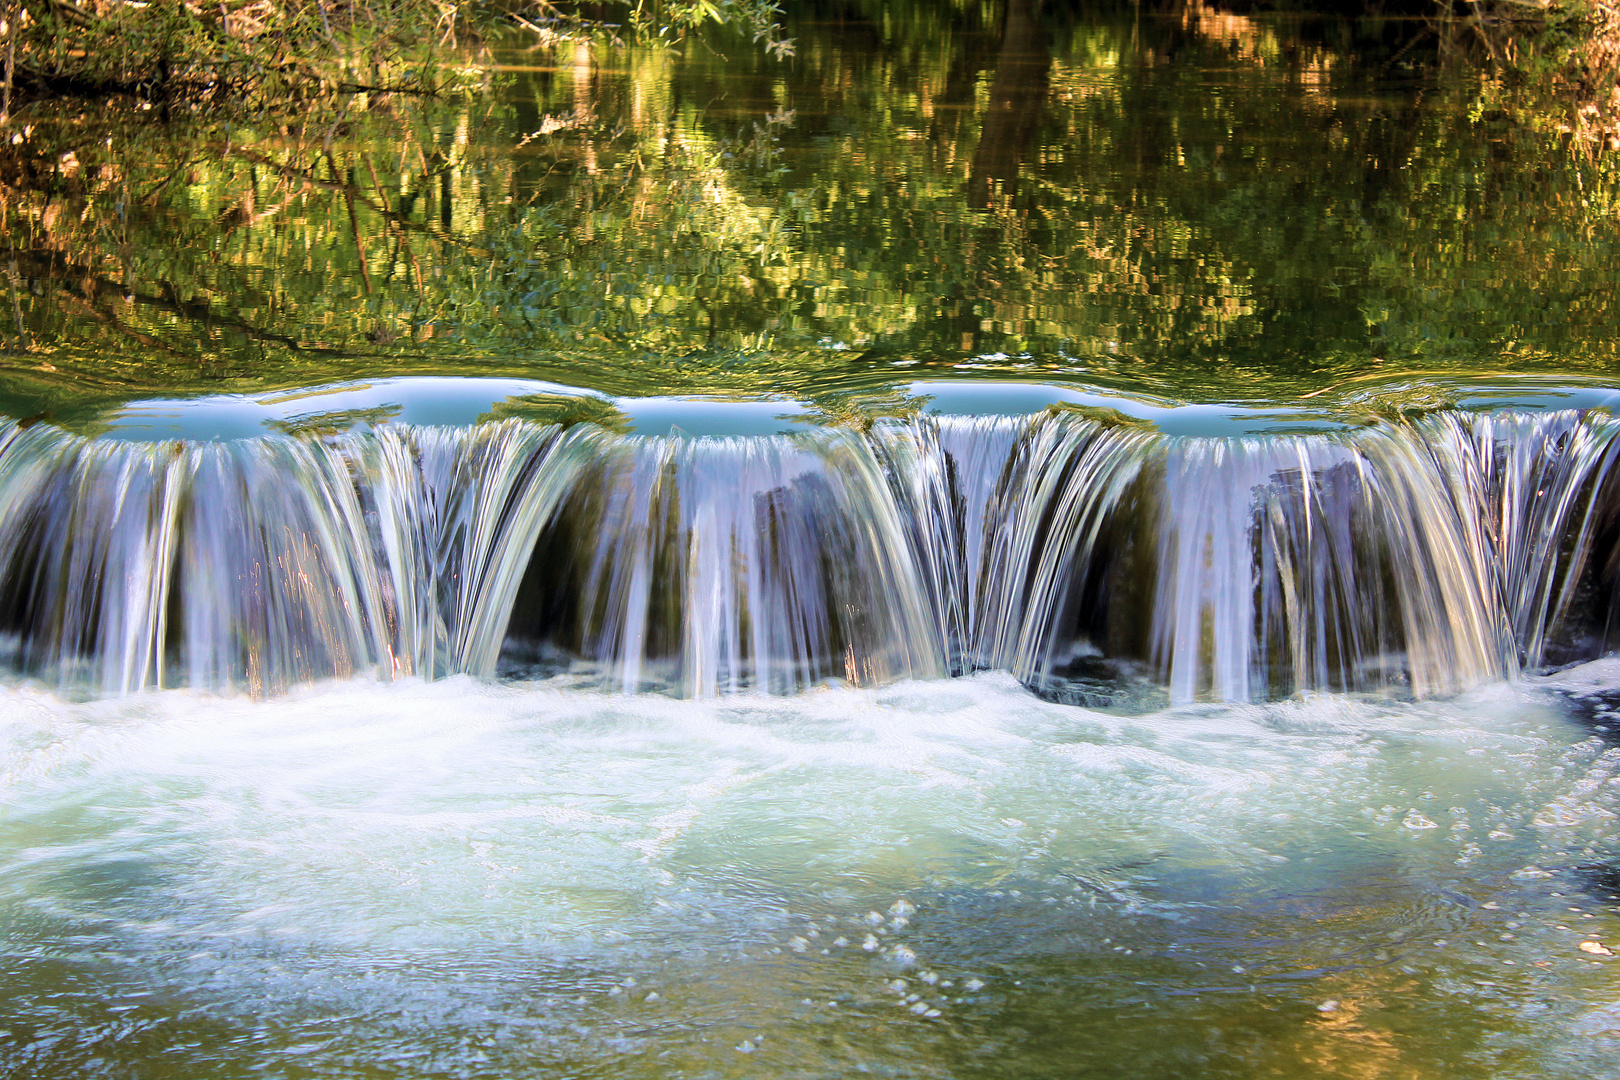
472,858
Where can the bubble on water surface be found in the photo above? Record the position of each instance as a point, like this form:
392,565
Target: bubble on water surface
564,876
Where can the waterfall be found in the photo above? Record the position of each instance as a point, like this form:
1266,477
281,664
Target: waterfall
1415,556
725,564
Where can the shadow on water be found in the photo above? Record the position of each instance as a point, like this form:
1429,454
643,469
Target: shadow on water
1017,97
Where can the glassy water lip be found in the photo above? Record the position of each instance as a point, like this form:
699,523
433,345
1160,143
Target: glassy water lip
427,400
458,879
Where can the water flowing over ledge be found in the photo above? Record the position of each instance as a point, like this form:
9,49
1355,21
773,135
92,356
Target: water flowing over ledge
1414,556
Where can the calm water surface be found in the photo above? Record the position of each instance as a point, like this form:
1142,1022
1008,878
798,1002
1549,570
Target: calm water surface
1200,206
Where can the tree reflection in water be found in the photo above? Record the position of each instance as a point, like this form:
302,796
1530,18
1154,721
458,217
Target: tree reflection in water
1162,202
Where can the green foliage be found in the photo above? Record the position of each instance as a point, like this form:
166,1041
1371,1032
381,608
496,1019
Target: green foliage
665,21
677,18
251,53
1550,64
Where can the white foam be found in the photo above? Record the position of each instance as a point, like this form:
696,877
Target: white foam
386,842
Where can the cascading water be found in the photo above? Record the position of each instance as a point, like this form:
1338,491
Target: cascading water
1426,555
268,562
442,834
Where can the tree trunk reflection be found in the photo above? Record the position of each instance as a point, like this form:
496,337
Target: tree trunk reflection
1016,99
